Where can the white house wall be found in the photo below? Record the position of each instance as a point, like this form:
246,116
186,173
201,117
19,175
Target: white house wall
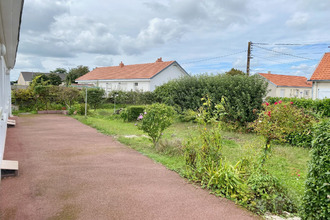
170,73
323,87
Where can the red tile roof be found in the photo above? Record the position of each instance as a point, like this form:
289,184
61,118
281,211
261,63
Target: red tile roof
285,80
136,71
322,71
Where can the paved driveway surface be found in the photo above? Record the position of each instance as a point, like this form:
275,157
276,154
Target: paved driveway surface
70,171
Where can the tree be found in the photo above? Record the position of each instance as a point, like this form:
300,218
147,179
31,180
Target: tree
234,72
40,78
76,73
54,79
59,71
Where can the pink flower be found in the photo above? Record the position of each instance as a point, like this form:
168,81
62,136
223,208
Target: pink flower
279,102
298,174
269,114
285,106
140,117
267,103
275,103
291,103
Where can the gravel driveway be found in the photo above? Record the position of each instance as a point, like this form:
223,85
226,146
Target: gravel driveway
70,171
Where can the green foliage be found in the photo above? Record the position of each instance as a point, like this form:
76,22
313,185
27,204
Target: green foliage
155,119
47,79
94,97
131,113
188,115
243,94
268,194
75,73
54,79
131,97
23,98
281,119
69,95
77,109
59,71
234,72
319,106
316,201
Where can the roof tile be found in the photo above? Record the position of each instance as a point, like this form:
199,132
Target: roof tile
136,71
285,80
322,71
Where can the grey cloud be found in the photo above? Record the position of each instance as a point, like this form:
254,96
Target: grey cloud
158,32
38,15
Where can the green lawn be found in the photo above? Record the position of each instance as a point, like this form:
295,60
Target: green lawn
287,163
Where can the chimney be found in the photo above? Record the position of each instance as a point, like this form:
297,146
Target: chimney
121,64
269,72
159,59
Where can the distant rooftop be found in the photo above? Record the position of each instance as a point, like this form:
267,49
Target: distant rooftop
286,80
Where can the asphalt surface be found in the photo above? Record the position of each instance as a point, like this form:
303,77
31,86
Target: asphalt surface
68,170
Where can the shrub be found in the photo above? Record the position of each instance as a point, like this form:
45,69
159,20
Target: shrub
94,97
243,94
188,115
318,106
280,120
268,194
155,119
131,97
316,199
131,113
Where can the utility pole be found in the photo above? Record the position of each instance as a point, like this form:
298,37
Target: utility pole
248,59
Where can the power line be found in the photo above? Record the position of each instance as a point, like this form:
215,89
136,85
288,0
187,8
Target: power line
283,53
213,58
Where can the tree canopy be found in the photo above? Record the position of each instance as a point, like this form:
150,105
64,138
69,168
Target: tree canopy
75,73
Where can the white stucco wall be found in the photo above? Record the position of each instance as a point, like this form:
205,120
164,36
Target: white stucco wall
170,73
289,92
321,87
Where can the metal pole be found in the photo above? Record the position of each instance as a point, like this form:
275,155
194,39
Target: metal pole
86,104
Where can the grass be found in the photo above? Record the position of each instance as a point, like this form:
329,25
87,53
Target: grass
287,163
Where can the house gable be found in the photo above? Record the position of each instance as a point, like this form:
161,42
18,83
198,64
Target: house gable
322,71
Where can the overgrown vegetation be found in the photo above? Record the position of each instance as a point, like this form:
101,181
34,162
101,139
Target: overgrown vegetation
316,201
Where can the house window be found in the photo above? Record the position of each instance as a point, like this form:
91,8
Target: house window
136,84
306,92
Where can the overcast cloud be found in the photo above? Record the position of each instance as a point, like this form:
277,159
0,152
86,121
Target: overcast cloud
202,35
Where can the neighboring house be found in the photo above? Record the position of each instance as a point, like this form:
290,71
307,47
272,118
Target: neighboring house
321,79
287,86
26,77
10,23
137,77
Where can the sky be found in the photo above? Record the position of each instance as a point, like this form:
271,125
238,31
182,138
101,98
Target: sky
204,36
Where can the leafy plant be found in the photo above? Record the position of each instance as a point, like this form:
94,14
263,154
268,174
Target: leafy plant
269,194
316,201
280,120
155,119
95,97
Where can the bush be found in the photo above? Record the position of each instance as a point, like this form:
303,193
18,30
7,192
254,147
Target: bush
131,97
95,97
188,115
131,113
155,119
268,193
280,120
316,200
243,94
318,106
